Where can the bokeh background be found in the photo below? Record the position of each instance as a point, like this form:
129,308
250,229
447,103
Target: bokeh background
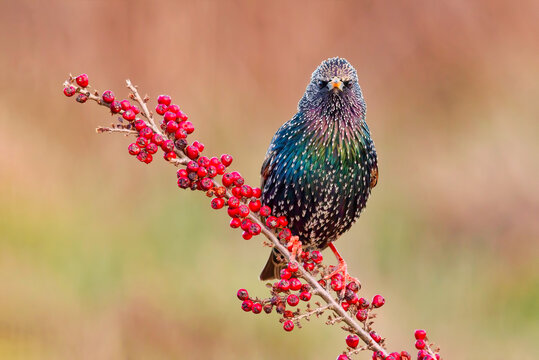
102,257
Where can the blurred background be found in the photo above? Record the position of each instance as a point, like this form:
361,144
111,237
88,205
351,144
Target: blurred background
102,257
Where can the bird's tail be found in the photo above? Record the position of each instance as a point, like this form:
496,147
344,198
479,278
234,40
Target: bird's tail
273,267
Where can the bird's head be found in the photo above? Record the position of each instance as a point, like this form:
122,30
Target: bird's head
333,85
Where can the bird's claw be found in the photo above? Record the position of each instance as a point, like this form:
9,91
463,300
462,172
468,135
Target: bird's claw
294,246
342,269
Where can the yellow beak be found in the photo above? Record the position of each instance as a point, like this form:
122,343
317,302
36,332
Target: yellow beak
335,83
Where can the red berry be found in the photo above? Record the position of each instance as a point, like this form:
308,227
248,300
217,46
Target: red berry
420,344
212,171
142,141
257,308
142,155
217,203
245,224
115,107
214,161
82,80
246,191
151,148
247,305
199,146
169,156
257,192
293,266
378,301
161,109
363,303
139,124
285,234
148,159
146,132
285,274
187,126
172,127
405,355
202,172
309,266
292,300
184,182
192,166
353,286
135,109
351,297
362,315
206,183
220,169
203,161
375,336
343,357
283,285
246,235
233,202
236,191
243,210
181,173
352,340
305,296
170,116
228,179
133,149
126,105
232,212
317,257
242,294
345,305
191,152
226,160
180,133
70,90
254,229
174,108
167,146
182,115
235,223
129,115
420,334
272,222
164,99
81,98
282,221
157,139
295,284
288,325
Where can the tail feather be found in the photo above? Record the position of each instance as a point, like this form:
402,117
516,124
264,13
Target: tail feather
273,267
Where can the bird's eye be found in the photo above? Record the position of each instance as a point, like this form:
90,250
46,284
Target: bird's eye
322,83
347,83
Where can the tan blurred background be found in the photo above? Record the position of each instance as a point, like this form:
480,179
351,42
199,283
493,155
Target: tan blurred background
102,257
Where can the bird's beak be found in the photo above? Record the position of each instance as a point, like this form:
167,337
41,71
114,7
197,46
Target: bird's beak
335,83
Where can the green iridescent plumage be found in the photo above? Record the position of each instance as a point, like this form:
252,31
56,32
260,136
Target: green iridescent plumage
321,165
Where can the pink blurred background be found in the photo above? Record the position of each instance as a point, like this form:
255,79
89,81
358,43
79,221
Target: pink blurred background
103,258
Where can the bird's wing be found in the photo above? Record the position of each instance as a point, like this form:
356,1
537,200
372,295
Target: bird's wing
277,143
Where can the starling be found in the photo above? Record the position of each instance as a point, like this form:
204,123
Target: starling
321,165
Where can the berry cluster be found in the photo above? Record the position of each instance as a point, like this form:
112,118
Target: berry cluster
304,276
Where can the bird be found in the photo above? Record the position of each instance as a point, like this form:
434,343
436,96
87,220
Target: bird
321,165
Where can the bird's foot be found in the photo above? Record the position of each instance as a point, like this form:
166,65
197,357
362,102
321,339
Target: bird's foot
341,269
294,246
